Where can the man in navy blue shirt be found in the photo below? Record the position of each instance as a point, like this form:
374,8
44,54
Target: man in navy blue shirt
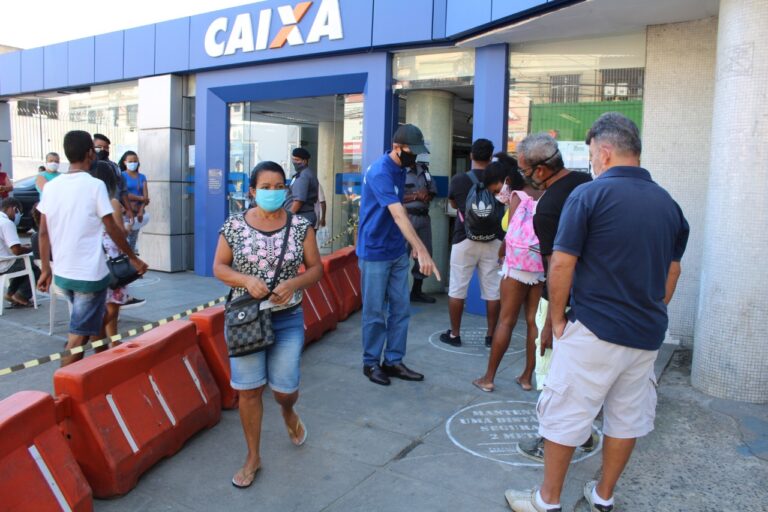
383,258
617,253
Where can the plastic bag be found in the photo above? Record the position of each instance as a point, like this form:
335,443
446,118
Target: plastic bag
322,236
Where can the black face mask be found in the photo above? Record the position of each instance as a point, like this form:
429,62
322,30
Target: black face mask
102,155
407,159
298,167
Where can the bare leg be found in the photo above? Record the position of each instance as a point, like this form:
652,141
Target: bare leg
455,310
531,303
292,421
251,413
110,324
557,458
73,340
492,308
513,293
616,453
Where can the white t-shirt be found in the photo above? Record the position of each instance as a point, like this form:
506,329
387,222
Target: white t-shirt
8,238
73,205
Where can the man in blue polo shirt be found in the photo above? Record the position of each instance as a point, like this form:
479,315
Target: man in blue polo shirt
383,259
617,252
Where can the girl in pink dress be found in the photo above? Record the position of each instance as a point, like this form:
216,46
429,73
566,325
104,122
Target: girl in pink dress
522,273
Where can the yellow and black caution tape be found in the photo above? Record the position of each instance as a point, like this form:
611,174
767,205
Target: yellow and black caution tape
351,227
106,341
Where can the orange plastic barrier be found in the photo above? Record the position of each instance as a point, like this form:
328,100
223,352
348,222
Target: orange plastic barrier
320,312
342,276
136,404
37,469
210,335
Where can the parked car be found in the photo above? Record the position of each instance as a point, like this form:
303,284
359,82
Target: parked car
24,190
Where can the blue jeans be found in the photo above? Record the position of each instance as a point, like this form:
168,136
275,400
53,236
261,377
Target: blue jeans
386,309
279,364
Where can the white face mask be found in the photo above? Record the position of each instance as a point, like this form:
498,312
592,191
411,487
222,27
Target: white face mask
132,166
504,194
52,166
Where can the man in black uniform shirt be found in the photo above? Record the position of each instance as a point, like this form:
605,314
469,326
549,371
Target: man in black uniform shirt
541,165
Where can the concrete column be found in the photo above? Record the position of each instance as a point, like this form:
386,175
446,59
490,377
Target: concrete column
432,112
161,152
6,151
730,358
329,161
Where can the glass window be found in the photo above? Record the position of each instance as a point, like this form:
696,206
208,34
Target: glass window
562,87
40,123
432,68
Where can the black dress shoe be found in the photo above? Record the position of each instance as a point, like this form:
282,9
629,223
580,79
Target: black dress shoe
401,371
376,375
420,297
454,341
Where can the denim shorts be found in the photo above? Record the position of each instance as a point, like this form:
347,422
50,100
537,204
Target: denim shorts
279,363
87,316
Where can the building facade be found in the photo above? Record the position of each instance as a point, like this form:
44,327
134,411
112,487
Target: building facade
202,99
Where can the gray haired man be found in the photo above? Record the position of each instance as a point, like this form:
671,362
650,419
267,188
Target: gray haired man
617,255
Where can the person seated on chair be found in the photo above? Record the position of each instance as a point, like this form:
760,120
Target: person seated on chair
19,291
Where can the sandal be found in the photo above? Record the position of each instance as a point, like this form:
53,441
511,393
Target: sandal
526,387
293,433
488,388
17,303
246,482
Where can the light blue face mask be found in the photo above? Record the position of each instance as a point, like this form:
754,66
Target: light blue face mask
131,166
270,200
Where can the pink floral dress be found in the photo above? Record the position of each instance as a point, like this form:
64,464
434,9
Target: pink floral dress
521,262
256,252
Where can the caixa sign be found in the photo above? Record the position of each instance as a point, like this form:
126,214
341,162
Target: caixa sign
248,32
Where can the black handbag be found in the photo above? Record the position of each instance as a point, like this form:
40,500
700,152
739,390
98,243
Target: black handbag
247,328
121,272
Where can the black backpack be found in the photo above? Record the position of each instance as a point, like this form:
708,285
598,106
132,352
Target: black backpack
483,213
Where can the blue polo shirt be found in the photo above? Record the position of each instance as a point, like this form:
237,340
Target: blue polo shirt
626,230
379,238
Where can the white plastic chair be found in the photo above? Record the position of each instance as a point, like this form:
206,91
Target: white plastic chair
5,278
55,293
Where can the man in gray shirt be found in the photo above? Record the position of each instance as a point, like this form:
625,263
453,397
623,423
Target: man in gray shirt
420,189
303,187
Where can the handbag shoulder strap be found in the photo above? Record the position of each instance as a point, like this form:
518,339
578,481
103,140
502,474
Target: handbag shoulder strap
280,260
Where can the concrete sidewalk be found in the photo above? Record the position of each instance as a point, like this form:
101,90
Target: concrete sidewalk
439,445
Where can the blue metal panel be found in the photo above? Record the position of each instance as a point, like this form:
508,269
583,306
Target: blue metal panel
367,73
10,73
172,46
491,95
504,8
55,66
438,19
109,57
463,16
356,22
401,21
32,69
139,52
80,63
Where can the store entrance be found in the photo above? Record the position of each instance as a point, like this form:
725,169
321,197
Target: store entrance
329,127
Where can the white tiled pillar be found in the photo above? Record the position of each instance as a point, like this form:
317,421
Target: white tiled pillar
432,112
161,151
730,358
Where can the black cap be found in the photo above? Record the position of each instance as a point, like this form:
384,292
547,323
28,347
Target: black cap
412,137
301,153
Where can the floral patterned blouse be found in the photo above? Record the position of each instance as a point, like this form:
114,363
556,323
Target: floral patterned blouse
256,252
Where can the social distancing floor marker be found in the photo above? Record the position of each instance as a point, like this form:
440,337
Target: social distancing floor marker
106,341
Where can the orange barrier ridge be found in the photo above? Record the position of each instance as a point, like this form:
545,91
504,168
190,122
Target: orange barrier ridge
210,336
135,404
342,276
38,471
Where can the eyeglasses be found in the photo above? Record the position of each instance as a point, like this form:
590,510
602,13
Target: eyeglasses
525,171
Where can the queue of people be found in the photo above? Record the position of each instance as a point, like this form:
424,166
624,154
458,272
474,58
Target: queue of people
591,262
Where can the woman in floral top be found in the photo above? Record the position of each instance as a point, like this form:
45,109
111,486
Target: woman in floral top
246,259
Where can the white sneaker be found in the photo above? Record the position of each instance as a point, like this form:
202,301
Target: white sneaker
525,501
594,507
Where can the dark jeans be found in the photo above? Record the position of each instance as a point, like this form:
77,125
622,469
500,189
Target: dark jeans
20,285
